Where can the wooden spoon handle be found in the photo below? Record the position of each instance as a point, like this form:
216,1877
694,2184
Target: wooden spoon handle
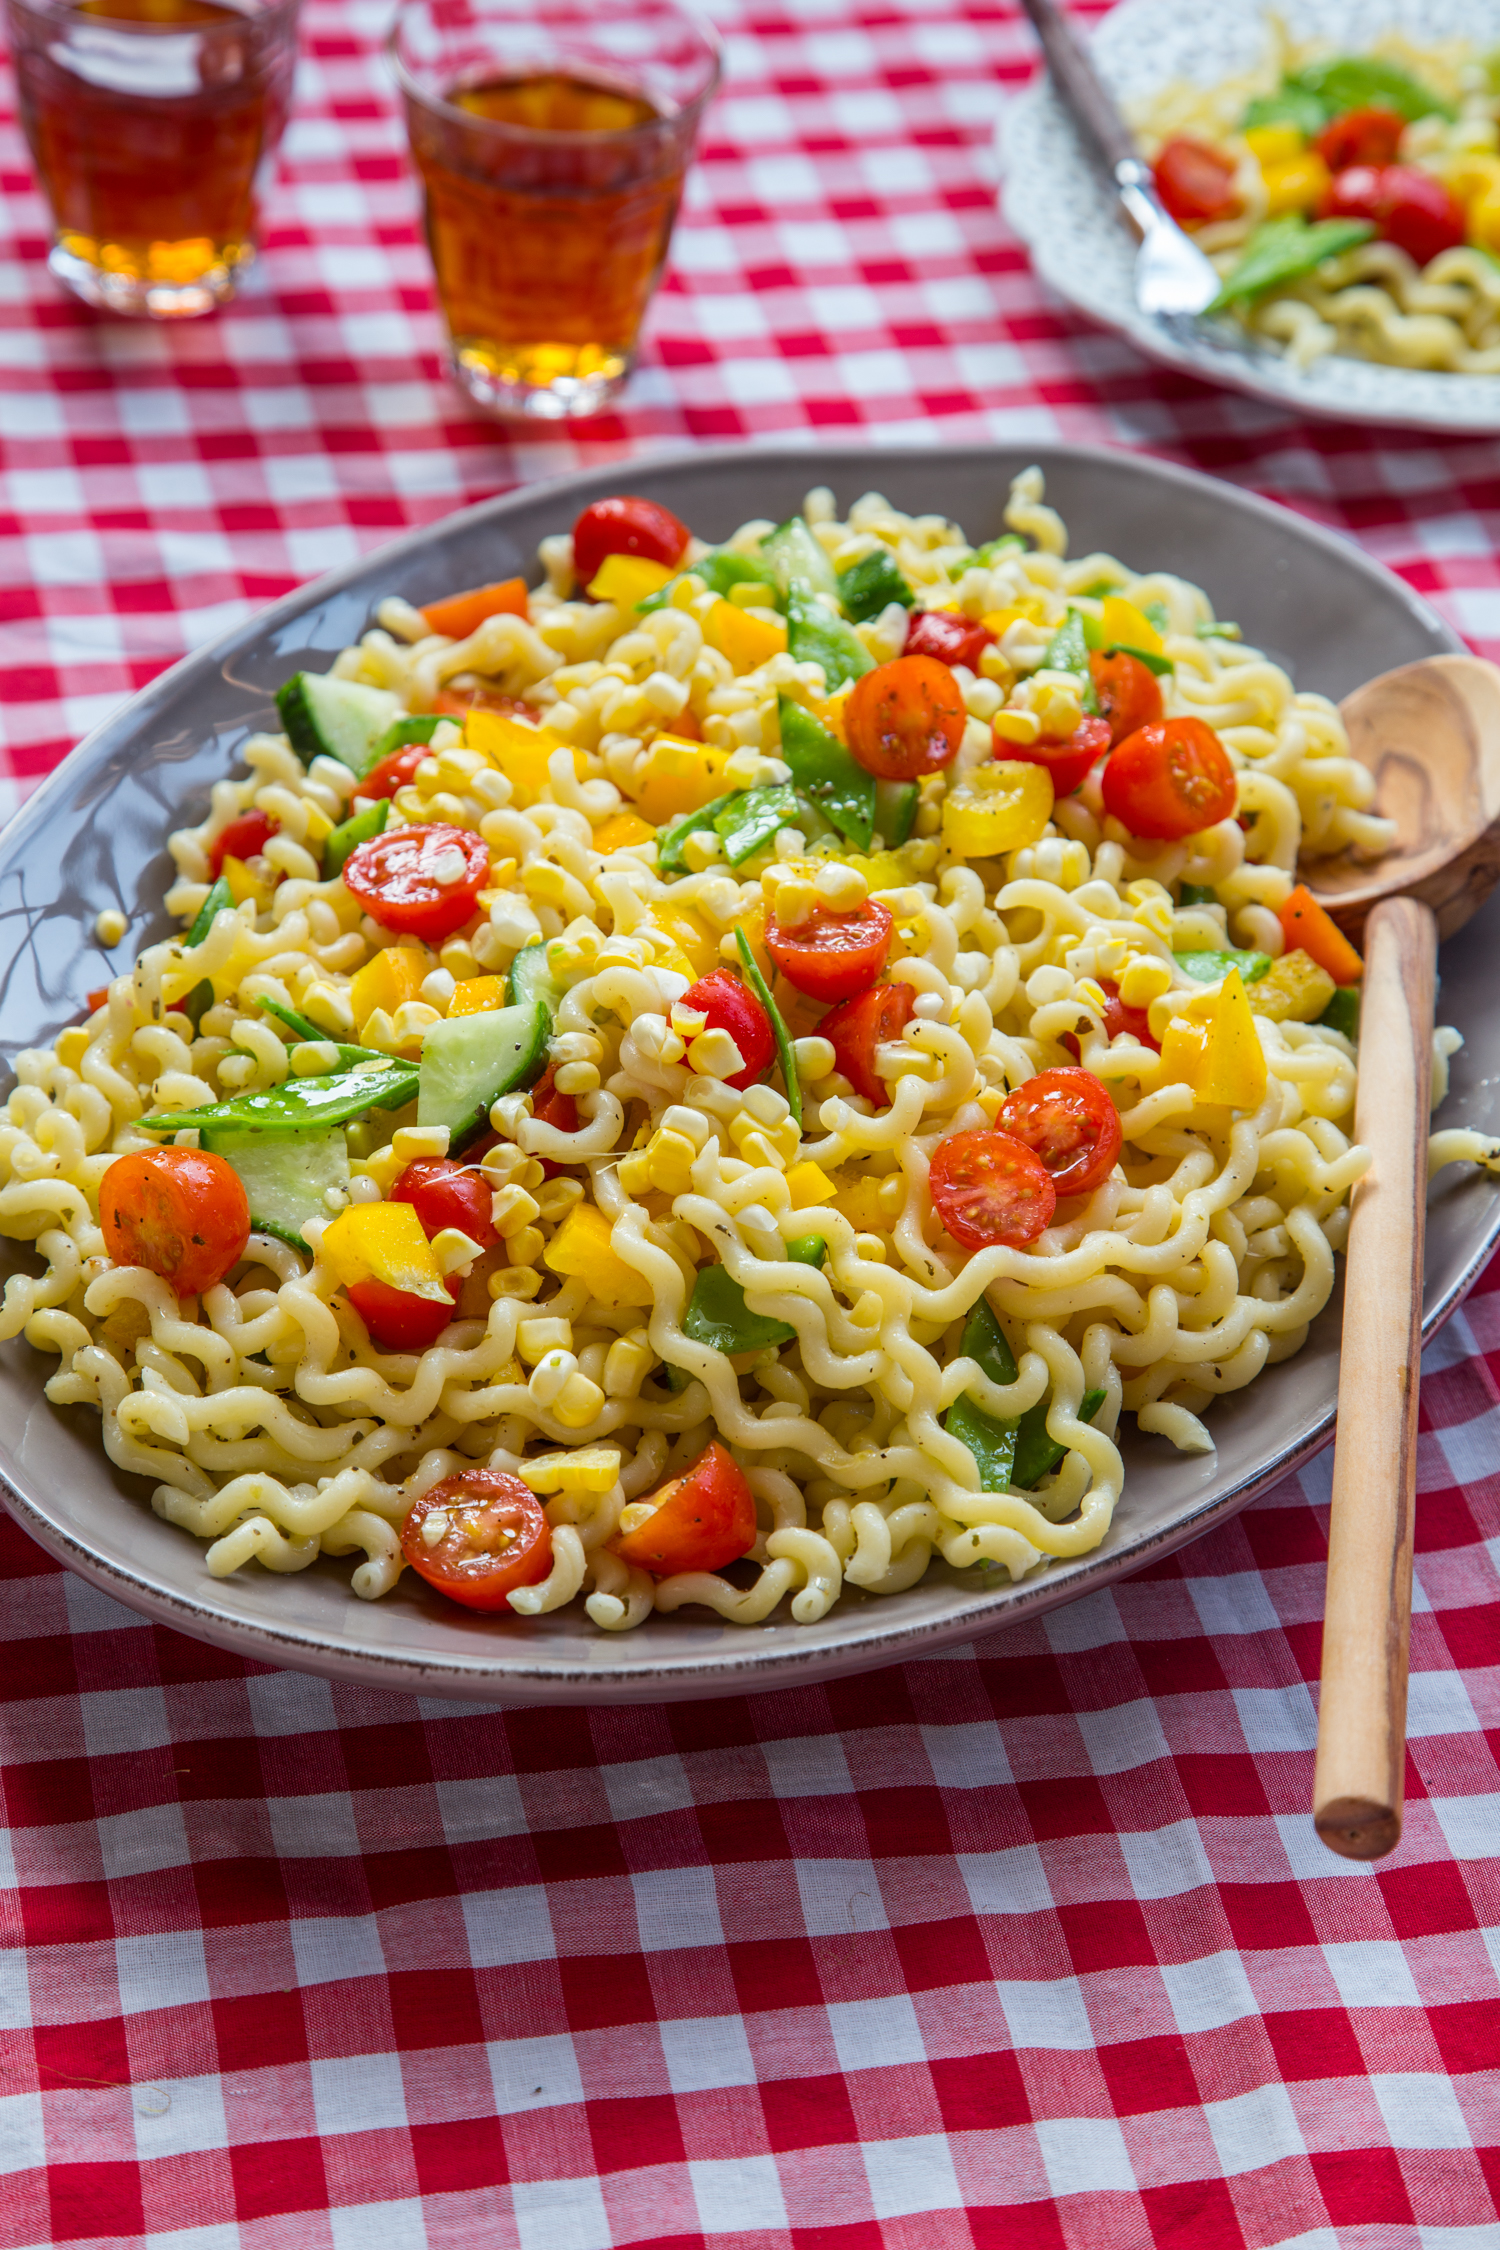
1357,1788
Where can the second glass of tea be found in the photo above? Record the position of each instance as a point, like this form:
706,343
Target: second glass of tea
551,137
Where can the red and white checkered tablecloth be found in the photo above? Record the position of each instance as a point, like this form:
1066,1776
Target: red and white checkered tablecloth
1029,1945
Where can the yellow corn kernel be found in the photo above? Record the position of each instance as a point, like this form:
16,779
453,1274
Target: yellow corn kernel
1274,144
678,777
1484,219
475,996
383,1242
593,1469
628,579
243,885
997,808
747,641
1017,726
622,830
668,1161
809,1185
1122,622
519,751
388,981
581,1246
1293,990
1299,184
72,1045
691,935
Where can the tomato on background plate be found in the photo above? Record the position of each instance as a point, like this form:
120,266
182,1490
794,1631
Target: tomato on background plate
1195,182
422,881
1067,1119
905,719
181,1213
242,839
698,1522
626,525
832,956
731,1006
1069,762
1360,136
1127,692
858,1026
492,1537
989,1188
1405,206
1170,780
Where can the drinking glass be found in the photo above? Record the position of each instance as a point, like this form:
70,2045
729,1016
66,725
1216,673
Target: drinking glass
152,125
551,137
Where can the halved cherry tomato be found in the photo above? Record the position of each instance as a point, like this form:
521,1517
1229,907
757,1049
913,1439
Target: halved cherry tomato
905,718
421,881
947,636
445,1194
491,1537
393,773
731,1006
552,1107
1407,207
1117,1018
1067,1119
398,1320
625,525
698,1522
831,956
1169,780
1360,136
1127,692
181,1213
1067,762
97,998
242,839
857,1027
1195,182
463,614
988,1188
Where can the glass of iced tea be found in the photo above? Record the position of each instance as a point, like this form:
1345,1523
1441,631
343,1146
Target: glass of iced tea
551,137
152,124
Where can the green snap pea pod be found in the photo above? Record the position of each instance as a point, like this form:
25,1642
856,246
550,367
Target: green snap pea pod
670,840
1293,105
350,834
815,636
751,819
299,1105
1198,894
1009,543
300,1028
717,1313
1283,250
220,896
779,1032
719,570
872,584
1037,1453
992,1442
1210,966
1348,82
1068,651
1342,1011
405,734
827,775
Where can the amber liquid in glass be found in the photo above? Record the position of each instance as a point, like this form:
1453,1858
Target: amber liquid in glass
546,245
153,182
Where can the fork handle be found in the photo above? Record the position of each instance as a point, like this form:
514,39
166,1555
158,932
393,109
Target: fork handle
1079,83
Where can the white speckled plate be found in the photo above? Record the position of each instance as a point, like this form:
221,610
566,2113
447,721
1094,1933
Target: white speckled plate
94,835
1060,204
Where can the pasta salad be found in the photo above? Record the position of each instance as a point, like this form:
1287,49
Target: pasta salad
714,1078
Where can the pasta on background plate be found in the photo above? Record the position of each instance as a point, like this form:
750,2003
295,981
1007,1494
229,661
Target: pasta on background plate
716,1078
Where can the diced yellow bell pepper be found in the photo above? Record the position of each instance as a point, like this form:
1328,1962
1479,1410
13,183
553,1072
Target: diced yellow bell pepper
1182,1047
911,862
997,808
243,885
747,641
1298,184
1029,609
691,935
1274,144
678,777
1121,622
809,1184
860,1204
393,976
519,751
1470,174
1484,219
319,826
383,1242
475,996
1293,990
753,924
622,830
628,579
1232,1071
581,1246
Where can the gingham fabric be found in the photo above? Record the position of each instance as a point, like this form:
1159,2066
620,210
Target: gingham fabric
1029,1945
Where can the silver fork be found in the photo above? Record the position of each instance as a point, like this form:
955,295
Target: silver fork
1173,279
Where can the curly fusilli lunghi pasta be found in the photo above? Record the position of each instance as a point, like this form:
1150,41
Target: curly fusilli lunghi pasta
267,1422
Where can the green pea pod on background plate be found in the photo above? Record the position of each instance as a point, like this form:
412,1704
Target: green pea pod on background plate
1284,249
1346,82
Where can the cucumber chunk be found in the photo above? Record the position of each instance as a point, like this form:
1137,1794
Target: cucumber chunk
287,1180
531,980
895,811
793,551
343,841
406,733
468,1062
329,718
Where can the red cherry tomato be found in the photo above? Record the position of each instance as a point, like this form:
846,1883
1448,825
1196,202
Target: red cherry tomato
455,702
988,1188
179,1212
1117,1018
947,636
1360,136
856,1028
905,718
445,1194
701,1521
392,773
492,1537
1067,1119
242,839
1169,780
398,1320
1407,207
731,1006
423,881
552,1107
626,526
1195,182
830,956
1067,762
1127,692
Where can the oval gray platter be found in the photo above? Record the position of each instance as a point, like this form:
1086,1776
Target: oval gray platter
93,836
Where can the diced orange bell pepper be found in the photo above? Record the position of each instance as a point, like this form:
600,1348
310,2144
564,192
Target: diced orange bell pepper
747,641
1306,924
392,977
621,830
463,614
475,996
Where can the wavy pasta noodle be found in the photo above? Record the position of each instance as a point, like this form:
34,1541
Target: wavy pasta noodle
269,1425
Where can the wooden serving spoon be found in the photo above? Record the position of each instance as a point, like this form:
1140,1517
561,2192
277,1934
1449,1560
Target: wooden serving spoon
1430,734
